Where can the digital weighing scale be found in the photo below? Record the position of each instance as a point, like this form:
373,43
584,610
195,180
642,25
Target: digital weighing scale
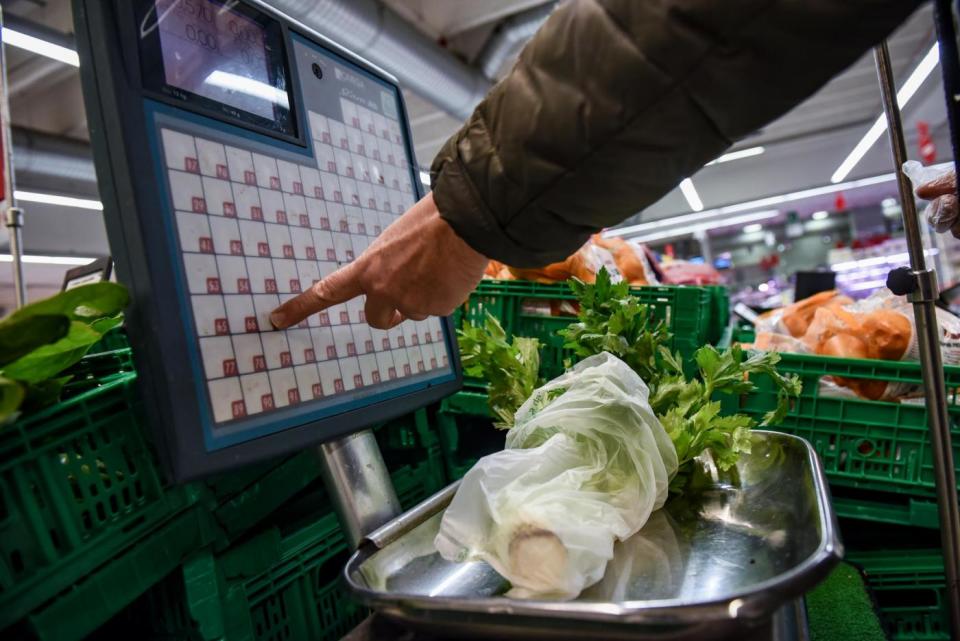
241,157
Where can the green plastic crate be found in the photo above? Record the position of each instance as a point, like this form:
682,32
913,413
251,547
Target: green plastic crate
90,603
879,447
113,340
466,431
96,369
78,484
283,583
910,590
689,313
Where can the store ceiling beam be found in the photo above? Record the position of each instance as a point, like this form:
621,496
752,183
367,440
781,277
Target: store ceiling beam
377,34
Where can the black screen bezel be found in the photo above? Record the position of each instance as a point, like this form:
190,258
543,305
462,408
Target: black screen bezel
153,74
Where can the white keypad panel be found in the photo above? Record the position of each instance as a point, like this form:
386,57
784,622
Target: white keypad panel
255,230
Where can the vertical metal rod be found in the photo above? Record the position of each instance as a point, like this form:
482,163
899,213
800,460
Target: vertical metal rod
928,342
14,223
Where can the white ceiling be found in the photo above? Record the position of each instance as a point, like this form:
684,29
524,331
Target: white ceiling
803,148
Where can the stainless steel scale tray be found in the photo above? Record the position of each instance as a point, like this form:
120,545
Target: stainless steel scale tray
713,566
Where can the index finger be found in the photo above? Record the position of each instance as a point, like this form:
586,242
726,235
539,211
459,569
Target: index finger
339,287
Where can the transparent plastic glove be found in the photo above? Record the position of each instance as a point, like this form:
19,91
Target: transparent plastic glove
940,188
417,267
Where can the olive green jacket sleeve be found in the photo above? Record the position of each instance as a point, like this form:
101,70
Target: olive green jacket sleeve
614,102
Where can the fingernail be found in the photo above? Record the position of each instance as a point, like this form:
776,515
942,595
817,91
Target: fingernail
276,319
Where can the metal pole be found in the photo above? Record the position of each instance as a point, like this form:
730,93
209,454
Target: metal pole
924,293
14,223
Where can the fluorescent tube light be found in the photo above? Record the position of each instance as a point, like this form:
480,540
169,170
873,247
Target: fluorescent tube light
753,228
737,155
54,199
820,215
690,193
677,231
40,47
49,260
879,126
249,86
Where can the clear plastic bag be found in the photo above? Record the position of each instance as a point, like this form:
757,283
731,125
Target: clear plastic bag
586,464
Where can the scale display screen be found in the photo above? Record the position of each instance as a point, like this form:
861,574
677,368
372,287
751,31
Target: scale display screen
237,221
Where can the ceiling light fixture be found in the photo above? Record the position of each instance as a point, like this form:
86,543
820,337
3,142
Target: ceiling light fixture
40,47
737,155
771,201
55,199
48,260
690,193
753,228
820,215
676,231
879,126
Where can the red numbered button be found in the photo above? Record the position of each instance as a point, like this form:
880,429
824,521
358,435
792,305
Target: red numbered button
238,409
331,166
406,370
386,343
206,245
331,351
368,346
222,172
281,217
311,253
351,349
309,355
293,396
362,228
298,187
371,203
304,220
256,213
401,341
338,385
433,363
362,316
357,380
392,372
349,254
198,204
295,285
243,285
420,367
428,337
286,360
288,251
263,249
338,197
250,178
213,285
236,247
331,253
274,182
324,223
415,339
318,192
270,285
266,401
250,324
344,226
229,210
324,319
230,367
376,376
317,390
345,318
192,165
221,326
259,363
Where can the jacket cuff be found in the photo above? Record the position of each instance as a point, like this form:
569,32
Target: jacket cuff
462,208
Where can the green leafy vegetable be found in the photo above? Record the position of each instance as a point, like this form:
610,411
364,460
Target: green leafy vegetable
85,303
19,337
511,368
613,320
49,360
11,396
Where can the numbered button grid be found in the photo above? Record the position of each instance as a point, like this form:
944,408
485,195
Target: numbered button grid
254,232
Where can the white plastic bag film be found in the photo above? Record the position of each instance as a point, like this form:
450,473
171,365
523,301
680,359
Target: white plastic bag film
585,465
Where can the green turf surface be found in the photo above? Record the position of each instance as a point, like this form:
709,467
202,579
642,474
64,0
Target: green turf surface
840,609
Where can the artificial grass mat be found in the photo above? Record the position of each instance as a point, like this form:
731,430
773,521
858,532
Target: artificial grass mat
840,608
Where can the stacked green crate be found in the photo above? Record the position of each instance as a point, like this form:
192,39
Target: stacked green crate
692,314
876,454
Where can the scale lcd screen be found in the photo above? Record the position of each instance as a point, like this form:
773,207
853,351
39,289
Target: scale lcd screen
219,54
257,225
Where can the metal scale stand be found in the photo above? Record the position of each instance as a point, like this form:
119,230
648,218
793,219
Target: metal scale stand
919,284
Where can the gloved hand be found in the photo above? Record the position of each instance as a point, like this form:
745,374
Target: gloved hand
417,267
943,212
